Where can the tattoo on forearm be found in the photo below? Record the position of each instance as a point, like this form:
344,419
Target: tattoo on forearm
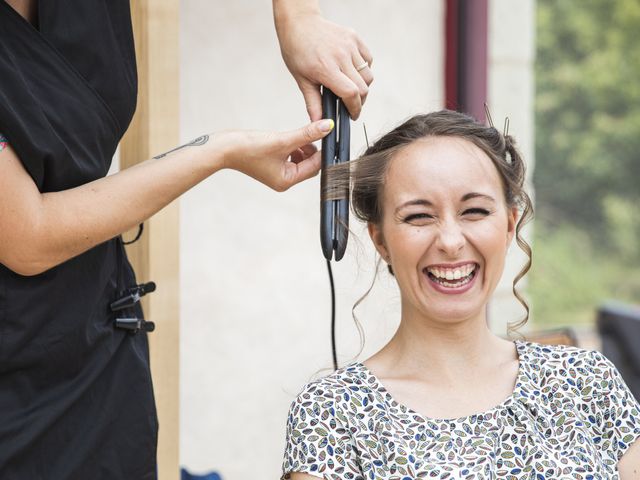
193,143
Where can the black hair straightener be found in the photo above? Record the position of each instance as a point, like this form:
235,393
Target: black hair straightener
334,214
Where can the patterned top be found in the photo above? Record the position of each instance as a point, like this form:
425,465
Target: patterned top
570,416
3,142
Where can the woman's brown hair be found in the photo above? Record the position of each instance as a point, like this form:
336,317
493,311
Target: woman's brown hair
365,176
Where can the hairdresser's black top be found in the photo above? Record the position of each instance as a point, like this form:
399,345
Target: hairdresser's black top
76,400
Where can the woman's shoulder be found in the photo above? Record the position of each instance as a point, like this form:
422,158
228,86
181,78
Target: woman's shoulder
558,353
332,388
574,365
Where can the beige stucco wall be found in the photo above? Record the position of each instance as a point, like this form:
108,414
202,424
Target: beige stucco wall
511,89
255,294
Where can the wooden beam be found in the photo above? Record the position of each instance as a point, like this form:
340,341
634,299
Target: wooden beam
466,57
451,100
154,129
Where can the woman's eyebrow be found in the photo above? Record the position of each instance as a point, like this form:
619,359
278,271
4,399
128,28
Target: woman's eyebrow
426,203
418,201
471,195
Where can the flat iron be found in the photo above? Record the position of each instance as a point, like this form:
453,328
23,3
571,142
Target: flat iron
334,214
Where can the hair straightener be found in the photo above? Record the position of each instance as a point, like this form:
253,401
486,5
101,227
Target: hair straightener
334,214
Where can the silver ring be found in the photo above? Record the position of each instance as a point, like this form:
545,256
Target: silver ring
362,67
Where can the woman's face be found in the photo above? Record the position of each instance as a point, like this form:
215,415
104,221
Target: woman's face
445,227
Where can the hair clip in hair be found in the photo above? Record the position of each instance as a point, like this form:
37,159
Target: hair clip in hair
488,115
366,137
505,131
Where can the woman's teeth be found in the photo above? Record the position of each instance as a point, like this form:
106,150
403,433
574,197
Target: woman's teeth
452,277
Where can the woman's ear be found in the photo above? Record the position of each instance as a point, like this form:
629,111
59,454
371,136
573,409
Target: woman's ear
375,232
512,222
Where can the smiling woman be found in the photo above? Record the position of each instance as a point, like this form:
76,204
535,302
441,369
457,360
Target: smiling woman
443,198
369,174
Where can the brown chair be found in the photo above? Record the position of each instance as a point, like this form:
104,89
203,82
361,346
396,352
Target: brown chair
558,336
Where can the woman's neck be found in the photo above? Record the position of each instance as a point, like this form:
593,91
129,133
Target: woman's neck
425,345
28,9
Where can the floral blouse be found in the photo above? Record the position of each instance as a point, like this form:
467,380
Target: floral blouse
570,416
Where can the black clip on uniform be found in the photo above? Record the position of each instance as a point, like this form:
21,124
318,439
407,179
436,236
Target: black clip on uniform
334,214
128,300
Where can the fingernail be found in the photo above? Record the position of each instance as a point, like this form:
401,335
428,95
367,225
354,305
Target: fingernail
326,125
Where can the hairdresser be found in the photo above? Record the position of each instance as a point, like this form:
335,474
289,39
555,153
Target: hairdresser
76,398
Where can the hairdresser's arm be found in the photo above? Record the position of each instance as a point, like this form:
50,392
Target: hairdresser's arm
318,52
39,231
302,476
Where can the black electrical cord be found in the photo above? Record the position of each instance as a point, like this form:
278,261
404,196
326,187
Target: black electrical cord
331,247
333,317
140,230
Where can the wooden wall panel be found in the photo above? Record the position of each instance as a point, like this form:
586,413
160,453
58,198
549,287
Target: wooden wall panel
154,129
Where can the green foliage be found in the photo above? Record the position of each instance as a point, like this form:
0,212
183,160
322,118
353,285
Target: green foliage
587,155
571,276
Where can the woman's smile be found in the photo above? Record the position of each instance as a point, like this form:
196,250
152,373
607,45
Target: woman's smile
452,279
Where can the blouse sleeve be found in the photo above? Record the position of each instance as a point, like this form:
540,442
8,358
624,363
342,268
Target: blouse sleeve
617,412
318,439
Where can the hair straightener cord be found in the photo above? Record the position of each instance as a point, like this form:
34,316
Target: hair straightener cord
333,317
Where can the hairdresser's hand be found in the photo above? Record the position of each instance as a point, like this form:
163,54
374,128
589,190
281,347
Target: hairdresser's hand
277,159
318,52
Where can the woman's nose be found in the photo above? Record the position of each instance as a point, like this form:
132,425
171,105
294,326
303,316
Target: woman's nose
450,238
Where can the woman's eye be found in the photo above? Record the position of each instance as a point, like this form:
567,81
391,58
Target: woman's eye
417,217
476,211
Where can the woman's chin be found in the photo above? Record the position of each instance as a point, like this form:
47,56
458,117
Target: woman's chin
452,310
451,316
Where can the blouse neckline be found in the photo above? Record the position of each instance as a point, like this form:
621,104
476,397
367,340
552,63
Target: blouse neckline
376,384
